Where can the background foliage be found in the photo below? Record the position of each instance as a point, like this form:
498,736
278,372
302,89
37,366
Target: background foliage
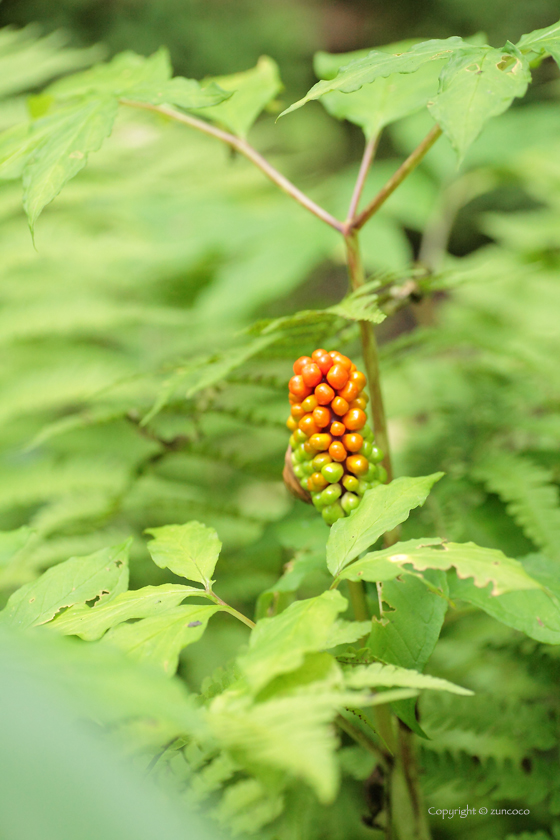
110,425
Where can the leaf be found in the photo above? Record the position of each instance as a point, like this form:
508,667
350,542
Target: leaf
379,563
190,551
377,65
409,631
377,105
135,77
381,509
159,640
90,623
346,632
474,86
279,644
101,575
530,495
252,91
485,565
70,135
13,541
542,42
379,674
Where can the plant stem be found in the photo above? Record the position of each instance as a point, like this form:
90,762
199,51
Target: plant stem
357,594
360,738
244,148
231,610
370,354
369,154
404,169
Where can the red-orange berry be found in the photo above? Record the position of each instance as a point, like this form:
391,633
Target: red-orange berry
316,482
349,392
311,375
338,358
357,464
293,399
307,425
339,406
353,442
299,388
301,363
337,428
298,411
337,451
324,393
317,354
337,376
322,416
355,419
325,363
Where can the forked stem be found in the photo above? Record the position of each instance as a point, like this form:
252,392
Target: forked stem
369,154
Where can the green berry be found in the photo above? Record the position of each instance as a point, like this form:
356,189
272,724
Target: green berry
363,485
320,460
331,513
381,474
333,472
293,442
316,499
366,433
367,446
349,502
376,454
303,483
350,482
331,493
298,471
299,453
372,473
307,468
300,436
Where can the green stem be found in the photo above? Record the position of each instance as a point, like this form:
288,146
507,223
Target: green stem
404,169
217,600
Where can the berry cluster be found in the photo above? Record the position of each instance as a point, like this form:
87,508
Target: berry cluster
333,452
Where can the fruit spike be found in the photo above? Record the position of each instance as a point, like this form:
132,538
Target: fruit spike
332,458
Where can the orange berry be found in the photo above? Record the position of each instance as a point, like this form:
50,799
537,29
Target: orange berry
320,442
337,451
353,442
293,399
317,354
339,406
337,376
355,419
316,482
311,375
337,428
322,416
309,449
352,367
359,402
309,403
349,392
324,393
301,363
299,388
307,425
338,358
298,411
325,363
357,464
358,378
291,423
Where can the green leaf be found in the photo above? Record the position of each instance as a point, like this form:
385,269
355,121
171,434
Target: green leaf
90,623
13,541
379,563
279,644
377,105
530,494
134,77
381,509
346,632
542,42
70,135
379,674
485,565
475,85
252,91
378,65
409,631
190,551
101,575
159,640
